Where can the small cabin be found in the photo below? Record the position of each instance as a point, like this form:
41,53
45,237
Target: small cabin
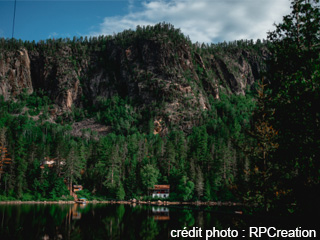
160,191
50,162
77,188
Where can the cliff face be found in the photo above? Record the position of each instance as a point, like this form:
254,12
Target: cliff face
15,74
150,71
57,76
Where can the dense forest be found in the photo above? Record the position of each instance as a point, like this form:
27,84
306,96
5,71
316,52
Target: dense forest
223,122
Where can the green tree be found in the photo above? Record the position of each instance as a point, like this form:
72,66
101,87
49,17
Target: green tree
4,155
294,84
185,189
199,183
149,176
113,177
74,164
20,166
262,175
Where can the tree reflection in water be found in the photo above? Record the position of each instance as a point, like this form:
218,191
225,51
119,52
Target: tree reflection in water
113,221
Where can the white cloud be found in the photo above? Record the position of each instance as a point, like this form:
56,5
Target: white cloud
53,35
204,20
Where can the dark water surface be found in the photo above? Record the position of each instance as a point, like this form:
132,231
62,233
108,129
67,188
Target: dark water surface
114,221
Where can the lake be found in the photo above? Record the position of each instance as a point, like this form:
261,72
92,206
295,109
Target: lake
115,221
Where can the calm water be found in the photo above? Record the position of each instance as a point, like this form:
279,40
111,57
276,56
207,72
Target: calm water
108,221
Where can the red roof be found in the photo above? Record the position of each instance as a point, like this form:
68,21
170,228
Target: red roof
161,186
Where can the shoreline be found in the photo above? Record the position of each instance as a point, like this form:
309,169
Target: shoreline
129,202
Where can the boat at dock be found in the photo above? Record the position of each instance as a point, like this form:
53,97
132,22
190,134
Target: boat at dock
81,201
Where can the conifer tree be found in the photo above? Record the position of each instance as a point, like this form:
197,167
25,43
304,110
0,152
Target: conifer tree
262,173
294,84
4,155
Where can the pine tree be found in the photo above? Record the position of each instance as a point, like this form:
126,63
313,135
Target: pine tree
74,165
263,186
20,166
199,183
149,176
4,155
294,84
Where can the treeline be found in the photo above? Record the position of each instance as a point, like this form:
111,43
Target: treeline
205,165
163,32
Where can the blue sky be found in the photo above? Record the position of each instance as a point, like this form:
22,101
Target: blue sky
202,20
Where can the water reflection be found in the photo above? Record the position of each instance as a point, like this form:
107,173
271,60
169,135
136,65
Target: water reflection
113,221
75,211
160,213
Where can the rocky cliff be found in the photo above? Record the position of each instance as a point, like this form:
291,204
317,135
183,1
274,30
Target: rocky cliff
159,70
15,73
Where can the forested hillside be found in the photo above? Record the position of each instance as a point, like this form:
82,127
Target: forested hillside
172,112
118,114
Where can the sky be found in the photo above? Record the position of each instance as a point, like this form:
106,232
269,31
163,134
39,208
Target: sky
208,21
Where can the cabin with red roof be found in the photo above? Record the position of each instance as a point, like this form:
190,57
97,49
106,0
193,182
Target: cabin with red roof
160,191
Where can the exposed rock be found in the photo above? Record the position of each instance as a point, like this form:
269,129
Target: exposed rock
15,75
56,75
157,126
147,71
89,124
